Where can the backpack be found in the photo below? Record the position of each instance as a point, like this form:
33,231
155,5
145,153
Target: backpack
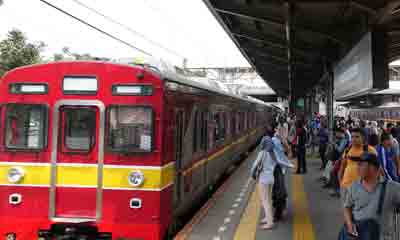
347,150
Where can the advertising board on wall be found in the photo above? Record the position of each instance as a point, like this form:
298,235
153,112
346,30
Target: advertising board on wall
364,69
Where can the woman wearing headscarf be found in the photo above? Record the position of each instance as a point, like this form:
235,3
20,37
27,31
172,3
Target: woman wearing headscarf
273,155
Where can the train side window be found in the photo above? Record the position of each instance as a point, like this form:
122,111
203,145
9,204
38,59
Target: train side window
219,129
79,128
196,126
200,131
216,128
241,121
223,126
204,130
233,124
26,126
130,129
228,124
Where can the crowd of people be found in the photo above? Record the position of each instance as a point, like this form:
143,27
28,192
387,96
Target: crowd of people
361,166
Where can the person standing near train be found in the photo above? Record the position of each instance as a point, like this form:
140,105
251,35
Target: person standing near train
270,155
387,157
323,136
300,141
291,136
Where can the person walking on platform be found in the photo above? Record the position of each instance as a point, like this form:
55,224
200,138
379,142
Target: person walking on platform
282,133
291,137
395,148
340,146
300,141
386,157
348,172
369,203
271,157
323,136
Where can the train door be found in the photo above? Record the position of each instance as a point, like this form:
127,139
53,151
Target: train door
178,150
77,160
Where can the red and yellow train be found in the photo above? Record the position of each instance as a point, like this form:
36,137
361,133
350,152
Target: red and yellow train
95,150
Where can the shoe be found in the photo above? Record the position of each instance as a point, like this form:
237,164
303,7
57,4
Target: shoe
267,226
264,221
326,186
334,193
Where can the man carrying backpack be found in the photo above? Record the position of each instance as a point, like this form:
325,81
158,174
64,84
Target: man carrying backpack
348,172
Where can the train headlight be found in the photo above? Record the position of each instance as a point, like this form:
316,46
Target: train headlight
136,178
15,174
11,236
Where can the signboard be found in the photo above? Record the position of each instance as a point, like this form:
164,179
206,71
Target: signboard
364,69
300,103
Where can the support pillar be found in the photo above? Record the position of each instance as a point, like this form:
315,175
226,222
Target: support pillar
330,101
289,42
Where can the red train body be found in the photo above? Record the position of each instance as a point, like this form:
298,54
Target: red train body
112,151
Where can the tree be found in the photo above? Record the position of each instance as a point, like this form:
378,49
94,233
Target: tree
16,51
68,55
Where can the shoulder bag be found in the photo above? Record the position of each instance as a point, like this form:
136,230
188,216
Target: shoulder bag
257,167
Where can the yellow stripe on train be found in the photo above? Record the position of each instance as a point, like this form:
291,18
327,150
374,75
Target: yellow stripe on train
114,177
38,175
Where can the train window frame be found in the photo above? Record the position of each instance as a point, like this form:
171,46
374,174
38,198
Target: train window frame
108,130
195,139
20,84
64,147
219,119
200,131
80,92
115,86
44,128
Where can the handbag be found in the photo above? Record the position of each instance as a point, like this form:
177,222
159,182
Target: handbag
368,229
327,171
257,167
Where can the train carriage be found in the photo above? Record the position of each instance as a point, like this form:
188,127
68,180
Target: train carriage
388,112
94,150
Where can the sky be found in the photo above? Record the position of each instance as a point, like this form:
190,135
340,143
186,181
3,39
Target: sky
186,27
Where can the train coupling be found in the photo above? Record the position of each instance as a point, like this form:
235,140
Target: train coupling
73,232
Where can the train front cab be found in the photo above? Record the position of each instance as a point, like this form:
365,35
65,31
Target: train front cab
82,158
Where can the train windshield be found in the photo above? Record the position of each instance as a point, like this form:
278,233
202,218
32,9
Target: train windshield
131,129
79,128
25,126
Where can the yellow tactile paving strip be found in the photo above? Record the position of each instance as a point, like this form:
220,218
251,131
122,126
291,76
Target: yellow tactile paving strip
248,223
302,226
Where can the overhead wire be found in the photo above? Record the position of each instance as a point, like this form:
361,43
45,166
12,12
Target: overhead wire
96,28
129,29
195,43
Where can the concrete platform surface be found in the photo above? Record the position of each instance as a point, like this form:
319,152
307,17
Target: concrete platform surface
234,211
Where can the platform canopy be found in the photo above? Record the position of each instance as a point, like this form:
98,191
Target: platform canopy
320,31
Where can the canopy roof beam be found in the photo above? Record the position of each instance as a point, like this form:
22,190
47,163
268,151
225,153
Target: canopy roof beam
386,12
274,44
243,13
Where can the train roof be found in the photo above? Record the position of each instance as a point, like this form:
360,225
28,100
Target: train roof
170,73
385,105
164,70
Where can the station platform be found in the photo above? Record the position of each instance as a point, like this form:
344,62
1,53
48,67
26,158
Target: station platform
234,211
